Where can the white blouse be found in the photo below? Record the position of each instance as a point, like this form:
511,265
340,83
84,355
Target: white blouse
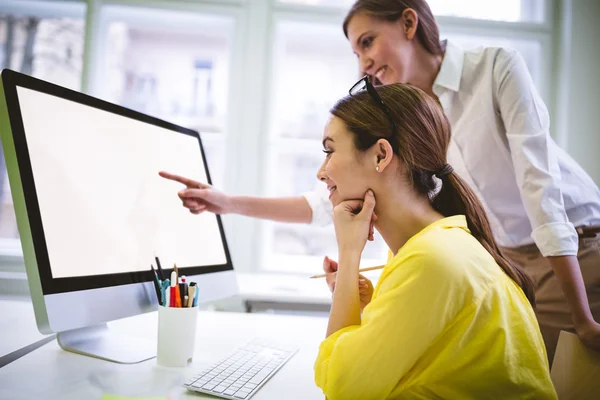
531,189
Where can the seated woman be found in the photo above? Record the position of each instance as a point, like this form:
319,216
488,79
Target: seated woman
450,317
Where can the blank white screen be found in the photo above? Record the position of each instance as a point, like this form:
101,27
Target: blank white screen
104,208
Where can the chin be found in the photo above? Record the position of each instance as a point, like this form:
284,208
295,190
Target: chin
389,78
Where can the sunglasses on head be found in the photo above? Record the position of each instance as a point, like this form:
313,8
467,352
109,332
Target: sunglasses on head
365,84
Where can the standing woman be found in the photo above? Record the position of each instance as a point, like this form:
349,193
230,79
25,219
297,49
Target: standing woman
543,208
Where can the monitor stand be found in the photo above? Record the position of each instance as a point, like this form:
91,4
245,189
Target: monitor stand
97,341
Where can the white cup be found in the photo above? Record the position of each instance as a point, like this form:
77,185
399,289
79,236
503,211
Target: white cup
176,335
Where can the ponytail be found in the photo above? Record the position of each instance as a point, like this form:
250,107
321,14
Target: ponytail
455,197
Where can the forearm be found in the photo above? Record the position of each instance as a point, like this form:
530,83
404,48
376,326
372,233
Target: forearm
345,307
289,209
568,272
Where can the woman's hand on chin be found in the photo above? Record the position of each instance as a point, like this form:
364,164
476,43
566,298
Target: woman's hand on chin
353,221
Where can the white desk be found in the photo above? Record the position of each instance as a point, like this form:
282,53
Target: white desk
52,373
18,330
266,291
277,291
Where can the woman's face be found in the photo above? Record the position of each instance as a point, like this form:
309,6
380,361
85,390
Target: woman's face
346,171
382,48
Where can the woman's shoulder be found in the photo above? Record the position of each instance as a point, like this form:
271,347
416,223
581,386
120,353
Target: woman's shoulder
489,56
446,252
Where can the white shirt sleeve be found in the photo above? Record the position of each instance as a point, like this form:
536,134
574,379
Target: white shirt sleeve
533,155
321,207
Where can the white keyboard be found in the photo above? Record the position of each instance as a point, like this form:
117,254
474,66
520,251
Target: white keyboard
240,374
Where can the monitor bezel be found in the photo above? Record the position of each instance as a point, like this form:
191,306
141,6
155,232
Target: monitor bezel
50,285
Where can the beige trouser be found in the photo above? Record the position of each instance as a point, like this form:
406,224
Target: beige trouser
552,309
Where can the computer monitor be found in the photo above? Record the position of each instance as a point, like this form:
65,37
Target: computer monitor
93,213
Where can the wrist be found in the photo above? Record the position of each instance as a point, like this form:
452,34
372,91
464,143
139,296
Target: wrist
581,319
351,255
233,205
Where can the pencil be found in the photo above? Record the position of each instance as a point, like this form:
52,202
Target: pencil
360,270
191,295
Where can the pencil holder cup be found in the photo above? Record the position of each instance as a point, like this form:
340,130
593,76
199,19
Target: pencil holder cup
176,335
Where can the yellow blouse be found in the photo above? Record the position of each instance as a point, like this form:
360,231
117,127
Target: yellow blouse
445,322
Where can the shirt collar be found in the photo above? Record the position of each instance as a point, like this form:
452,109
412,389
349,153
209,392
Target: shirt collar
452,67
454,221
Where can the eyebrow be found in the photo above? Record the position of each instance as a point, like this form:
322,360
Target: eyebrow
326,139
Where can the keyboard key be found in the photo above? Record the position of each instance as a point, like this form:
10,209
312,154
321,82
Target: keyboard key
209,386
219,389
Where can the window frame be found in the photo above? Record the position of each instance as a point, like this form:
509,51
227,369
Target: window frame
251,87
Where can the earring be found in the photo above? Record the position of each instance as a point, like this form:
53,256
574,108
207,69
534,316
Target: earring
377,168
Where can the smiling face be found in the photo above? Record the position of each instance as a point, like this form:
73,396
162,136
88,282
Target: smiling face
383,48
346,171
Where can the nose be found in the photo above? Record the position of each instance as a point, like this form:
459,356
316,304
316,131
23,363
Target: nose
364,64
321,175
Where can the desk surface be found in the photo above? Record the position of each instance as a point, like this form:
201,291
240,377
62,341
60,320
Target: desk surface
52,373
17,325
271,287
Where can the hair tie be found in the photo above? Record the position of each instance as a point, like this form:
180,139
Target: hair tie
445,170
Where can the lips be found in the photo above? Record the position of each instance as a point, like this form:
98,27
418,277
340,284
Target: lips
380,73
331,190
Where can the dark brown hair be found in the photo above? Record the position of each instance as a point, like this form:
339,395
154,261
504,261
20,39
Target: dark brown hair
428,33
421,142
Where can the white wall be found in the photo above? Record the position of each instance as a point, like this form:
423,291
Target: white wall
581,110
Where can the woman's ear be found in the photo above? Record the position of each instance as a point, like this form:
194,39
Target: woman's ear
410,21
382,154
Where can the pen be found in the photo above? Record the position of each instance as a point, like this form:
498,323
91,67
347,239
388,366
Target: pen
160,271
177,291
173,290
183,291
185,300
163,291
195,295
360,270
156,282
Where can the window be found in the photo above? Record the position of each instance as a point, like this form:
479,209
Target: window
172,65
507,10
313,67
45,41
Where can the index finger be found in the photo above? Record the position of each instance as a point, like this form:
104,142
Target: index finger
354,206
186,181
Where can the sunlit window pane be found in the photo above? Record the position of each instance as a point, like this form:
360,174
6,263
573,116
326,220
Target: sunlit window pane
43,42
506,10
326,3
314,67
172,65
